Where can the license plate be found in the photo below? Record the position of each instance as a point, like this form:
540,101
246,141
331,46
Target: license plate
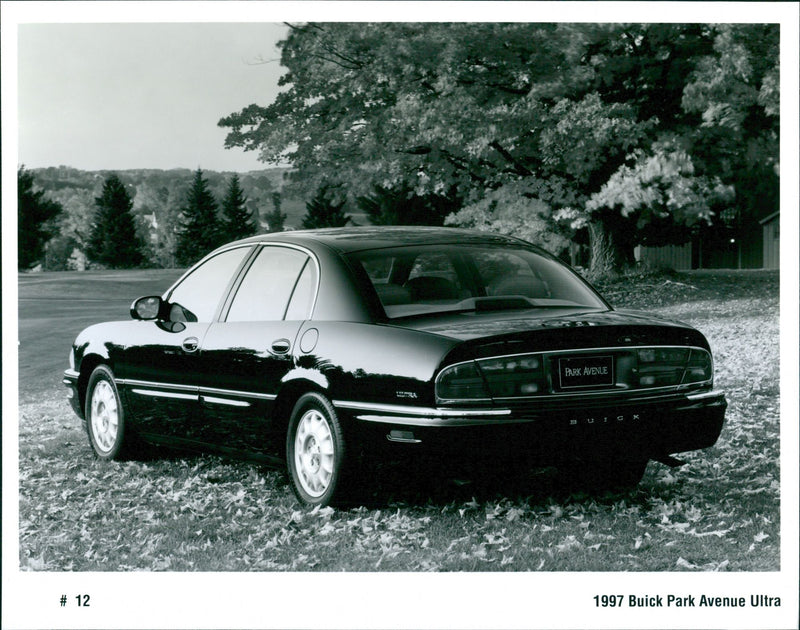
581,372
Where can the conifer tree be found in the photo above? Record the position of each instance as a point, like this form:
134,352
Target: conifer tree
237,220
401,206
35,214
276,218
324,211
200,230
113,241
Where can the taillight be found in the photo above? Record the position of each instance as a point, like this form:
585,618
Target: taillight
659,367
502,377
461,382
699,368
514,376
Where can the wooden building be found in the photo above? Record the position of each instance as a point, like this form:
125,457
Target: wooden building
771,233
721,248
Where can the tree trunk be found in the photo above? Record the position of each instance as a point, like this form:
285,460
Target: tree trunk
601,261
611,247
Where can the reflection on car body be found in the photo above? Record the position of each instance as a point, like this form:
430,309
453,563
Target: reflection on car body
331,341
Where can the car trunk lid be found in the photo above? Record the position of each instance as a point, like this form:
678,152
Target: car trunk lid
502,333
556,355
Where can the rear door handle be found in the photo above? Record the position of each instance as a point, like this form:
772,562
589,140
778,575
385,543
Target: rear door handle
190,344
280,346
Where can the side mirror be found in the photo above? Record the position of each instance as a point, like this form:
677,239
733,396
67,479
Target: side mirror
179,314
146,308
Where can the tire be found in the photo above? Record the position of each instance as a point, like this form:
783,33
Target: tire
105,417
315,450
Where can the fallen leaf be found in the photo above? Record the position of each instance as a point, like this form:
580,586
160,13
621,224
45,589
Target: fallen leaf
685,564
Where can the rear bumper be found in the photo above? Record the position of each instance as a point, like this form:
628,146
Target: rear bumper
620,429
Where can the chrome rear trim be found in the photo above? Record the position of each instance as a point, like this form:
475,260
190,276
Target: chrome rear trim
704,395
407,410
452,421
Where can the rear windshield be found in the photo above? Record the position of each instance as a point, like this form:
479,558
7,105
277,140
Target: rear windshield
420,280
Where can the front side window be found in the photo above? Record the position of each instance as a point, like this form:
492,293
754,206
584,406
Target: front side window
421,280
197,296
267,286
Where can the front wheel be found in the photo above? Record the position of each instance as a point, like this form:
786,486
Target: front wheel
105,416
315,450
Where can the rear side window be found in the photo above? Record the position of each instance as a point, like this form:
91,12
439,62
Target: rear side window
200,292
268,285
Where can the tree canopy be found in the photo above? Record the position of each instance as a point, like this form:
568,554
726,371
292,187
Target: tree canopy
610,127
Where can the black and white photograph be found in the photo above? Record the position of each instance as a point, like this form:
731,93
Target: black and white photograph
400,315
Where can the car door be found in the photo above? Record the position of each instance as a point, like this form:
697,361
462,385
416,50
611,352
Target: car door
161,364
245,355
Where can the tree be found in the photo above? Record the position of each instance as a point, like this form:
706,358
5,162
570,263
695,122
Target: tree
711,90
402,206
325,210
60,251
35,215
518,210
171,195
468,108
734,92
237,221
113,240
276,218
404,104
498,109
79,210
199,232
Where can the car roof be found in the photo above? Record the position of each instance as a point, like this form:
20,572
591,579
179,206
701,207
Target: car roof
352,239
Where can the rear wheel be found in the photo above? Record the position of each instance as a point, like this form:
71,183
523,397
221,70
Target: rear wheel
105,416
315,450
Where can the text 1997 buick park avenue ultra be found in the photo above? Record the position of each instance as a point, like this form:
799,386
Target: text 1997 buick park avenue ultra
331,341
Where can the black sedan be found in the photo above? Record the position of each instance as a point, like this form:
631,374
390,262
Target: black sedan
336,342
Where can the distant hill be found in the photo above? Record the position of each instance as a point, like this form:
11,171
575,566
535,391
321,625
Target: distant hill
158,196
163,191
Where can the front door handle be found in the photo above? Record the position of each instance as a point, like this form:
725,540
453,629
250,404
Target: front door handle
280,346
190,344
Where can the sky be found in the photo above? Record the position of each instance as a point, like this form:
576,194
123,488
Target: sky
141,95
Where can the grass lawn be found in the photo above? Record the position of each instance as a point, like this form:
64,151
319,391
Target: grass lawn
720,512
